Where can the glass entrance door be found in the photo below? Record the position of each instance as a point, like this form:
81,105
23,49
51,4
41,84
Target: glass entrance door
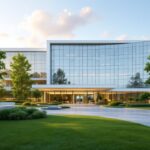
79,99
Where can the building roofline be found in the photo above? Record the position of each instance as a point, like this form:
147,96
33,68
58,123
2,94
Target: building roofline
69,86
94,41
23,49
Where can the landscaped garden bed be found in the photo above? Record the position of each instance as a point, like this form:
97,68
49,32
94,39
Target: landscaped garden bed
21,113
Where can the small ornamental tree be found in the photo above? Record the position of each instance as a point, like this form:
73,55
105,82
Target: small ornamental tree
21,77
2,73
2,92
144,96
59,77
147,69
136,81
99,97
2,64
36,94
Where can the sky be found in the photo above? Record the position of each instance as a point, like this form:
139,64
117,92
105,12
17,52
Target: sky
29,23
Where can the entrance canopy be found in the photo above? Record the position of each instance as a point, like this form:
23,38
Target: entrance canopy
70,88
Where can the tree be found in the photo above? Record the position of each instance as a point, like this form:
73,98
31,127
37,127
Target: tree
21,77
2,92
2,72
136,81
144,96
36,75
99,97
36,94
147,69
59,77
2,64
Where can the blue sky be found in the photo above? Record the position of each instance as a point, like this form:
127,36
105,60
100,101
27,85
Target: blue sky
29,23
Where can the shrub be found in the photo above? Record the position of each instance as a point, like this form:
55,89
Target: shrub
115,103
138,105
55,103
26,104
38,114
4,114
64,107
21,113
33,104
17,115
144,96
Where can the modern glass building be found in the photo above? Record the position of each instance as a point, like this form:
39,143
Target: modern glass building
90,68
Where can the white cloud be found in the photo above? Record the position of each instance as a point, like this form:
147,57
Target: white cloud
41,23
39,26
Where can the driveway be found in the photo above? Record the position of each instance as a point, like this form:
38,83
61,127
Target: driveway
140,116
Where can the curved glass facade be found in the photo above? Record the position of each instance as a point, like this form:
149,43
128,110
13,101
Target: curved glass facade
108,64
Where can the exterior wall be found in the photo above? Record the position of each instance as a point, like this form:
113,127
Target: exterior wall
36,57
87,64
97,63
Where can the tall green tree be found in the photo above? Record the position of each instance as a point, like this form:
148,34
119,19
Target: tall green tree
21,77
99,97
136,81
2,64
2,92
2,72
59,77
36,94
147,69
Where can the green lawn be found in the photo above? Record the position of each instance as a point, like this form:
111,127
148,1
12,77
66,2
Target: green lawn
73,133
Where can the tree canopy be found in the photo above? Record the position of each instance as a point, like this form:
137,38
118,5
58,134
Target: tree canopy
36,93
59,77
21,77
136,81
144,96
147,69
2,64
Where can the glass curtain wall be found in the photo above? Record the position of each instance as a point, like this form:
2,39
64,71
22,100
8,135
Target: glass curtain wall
36,59
105,65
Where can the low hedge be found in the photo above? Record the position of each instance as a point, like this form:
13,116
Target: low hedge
55,103
115,103
137,105
28,104
21,113
65,107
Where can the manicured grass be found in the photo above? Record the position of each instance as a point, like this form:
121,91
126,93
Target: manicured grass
73,133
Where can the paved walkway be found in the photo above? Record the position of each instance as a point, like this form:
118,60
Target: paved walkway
134,115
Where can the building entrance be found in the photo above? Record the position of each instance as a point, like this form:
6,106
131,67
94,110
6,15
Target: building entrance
79,99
